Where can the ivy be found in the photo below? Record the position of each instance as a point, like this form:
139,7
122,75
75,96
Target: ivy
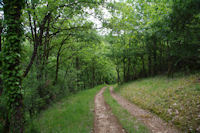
11,54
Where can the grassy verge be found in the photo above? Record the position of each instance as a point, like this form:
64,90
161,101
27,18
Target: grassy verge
176,100
129,123
71,115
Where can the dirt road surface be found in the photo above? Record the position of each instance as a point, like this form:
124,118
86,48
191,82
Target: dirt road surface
105,121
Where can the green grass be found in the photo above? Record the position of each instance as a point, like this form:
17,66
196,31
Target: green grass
129,123
176,100
71,115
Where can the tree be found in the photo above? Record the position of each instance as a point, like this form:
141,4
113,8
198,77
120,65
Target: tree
1,29
155,36
11,53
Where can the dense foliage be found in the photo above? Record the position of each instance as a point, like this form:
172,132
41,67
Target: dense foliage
154,37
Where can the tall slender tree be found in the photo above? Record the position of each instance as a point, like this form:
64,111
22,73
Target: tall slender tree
1,28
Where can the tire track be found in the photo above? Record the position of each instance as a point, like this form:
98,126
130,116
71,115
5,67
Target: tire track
105,121
154,123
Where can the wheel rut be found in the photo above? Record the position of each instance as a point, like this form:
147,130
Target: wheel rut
105,121
154,123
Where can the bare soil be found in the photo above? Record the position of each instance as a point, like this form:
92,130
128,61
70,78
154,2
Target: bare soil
154,123
105,121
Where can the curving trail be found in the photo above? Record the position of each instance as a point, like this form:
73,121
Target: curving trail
105,121
154,123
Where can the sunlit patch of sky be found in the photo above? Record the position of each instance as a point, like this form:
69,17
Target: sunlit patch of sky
1,7
98,22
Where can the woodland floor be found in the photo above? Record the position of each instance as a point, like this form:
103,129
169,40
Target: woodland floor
106,122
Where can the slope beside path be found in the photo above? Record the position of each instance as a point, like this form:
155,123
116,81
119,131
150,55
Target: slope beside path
154,123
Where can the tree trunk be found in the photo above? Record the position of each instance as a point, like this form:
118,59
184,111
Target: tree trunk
170,67
35,42
40,70
77,74
58,60
160,58
6,125
150,64
1,83
57,68
46,49
155,58
37,39
128,71
118,76
40,59
34,54
93,75
11,64
124,71
143,66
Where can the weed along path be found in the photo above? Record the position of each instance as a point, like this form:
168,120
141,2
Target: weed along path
154,123
105,121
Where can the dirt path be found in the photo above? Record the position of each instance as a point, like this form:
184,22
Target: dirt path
154,123
105,121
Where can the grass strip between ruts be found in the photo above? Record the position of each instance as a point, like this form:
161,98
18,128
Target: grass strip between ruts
129,123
